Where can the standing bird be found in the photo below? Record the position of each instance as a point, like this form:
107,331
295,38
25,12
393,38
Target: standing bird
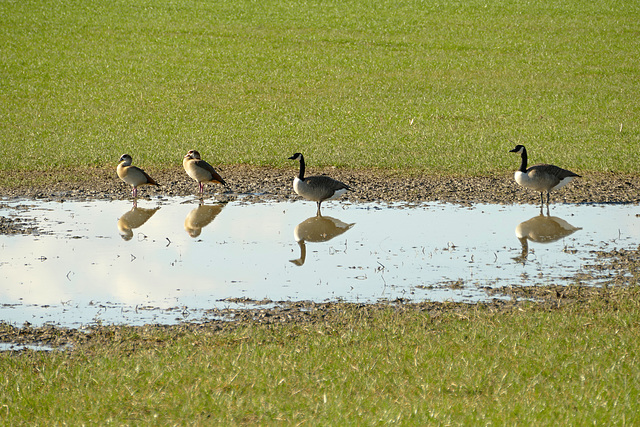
317,188
200,170
541,177
132,175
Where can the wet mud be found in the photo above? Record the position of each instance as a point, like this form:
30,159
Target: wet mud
256,184
614,269
369,186
519,298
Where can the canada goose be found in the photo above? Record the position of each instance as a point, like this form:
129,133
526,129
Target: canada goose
199,170
132,175
541,177
317,188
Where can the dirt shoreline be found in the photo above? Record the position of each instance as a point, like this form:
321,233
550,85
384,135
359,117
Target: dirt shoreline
370,186
256,184
520,298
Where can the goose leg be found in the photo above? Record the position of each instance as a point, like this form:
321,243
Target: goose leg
318,213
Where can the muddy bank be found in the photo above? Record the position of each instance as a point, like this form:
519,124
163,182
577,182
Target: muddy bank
256,184
369,186
616,272
522,298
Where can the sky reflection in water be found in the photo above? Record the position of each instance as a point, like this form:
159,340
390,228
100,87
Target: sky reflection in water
170,259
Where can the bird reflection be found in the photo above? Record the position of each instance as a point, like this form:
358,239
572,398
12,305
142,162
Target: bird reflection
201,217
317,229
134,218
542,229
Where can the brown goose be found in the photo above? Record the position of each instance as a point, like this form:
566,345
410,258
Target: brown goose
132,175
317,188
541,177
199,170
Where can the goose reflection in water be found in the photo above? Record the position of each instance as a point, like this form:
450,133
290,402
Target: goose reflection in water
132,219
200,217
317,229
542,229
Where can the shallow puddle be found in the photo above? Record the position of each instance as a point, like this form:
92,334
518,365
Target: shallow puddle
4,346
172,259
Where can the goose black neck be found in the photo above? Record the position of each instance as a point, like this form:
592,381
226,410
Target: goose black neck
301,175
523,165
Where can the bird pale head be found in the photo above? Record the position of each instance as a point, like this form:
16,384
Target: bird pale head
192,154
126,159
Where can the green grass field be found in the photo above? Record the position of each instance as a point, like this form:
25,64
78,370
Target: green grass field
434,87
444,87
577,365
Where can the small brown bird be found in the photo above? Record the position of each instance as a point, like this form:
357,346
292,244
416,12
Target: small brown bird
541,177
199,170
132,175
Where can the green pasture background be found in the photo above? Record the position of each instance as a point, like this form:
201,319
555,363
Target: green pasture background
435,86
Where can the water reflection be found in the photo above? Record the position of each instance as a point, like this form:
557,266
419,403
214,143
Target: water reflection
76,270
317,229
200,217
542,229
133,219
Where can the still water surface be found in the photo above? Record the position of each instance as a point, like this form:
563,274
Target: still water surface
171,259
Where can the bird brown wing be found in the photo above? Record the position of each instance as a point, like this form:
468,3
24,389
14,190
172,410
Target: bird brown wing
215,176
150,180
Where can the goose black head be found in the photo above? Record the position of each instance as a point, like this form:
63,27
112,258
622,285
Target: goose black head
296,156
519,149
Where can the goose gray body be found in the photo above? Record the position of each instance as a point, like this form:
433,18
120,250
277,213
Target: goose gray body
543,178
316,188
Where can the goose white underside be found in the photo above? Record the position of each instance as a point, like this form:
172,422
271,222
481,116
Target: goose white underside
337,194
563,182
526,181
